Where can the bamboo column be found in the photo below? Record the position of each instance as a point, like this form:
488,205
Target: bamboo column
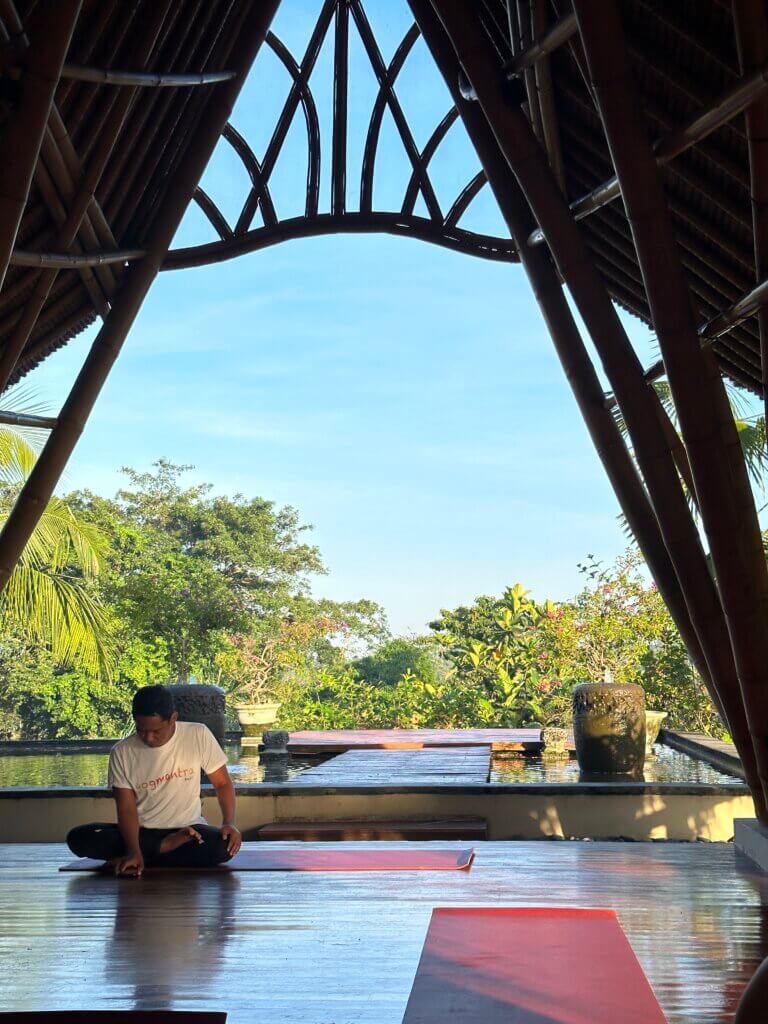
40,485
524,156
51,34
751,25
707,424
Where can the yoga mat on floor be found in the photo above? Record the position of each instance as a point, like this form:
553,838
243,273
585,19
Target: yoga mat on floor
529,966
304,858
112,1017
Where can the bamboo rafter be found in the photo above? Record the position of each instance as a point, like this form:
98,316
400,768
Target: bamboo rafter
142,79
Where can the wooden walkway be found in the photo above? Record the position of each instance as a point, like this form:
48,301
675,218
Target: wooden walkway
417,767
343,948
341,740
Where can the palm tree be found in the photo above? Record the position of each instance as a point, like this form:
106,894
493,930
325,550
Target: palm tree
752,434
49,597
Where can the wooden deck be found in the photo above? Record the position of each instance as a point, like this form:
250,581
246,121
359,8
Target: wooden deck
340,740
418,767
343,948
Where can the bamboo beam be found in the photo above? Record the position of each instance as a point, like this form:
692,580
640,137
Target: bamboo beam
525,28
652,450
142,79
577,364
710,435
73,261
732,102
546,94
41,482
23,419
751,25
542,45
753,302
51,34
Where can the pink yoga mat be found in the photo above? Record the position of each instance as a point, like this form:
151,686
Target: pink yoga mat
529,966
303,858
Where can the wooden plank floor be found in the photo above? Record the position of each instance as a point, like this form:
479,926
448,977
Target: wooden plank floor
343,948
340,740
425,767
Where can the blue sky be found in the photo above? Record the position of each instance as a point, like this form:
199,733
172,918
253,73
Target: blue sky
405,399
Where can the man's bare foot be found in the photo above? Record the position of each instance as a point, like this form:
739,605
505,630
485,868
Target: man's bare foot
179,838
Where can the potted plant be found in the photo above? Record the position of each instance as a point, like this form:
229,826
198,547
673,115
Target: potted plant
248,670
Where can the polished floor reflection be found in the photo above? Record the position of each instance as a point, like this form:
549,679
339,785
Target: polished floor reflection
315,948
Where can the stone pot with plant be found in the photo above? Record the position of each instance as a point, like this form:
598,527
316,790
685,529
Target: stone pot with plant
248,669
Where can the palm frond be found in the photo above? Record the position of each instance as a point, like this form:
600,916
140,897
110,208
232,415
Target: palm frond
47,594
60,612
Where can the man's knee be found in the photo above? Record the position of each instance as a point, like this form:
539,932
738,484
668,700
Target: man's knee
219,854
98,840
77,839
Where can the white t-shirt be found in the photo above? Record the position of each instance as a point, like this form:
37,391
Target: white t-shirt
166,780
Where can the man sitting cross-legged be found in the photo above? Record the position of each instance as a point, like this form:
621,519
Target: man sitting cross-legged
155,777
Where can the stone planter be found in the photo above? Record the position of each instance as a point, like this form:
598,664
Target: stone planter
200,702
254,718
653,720
609,728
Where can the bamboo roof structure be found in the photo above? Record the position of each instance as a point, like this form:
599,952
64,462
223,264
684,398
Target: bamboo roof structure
684,57
624,141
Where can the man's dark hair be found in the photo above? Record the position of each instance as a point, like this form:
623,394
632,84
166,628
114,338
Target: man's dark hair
153,700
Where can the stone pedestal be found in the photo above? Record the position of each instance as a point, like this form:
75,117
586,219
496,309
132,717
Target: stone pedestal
751,837
201,702
555,744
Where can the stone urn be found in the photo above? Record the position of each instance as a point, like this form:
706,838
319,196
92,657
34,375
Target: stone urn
609,728
254,718
653,721
275,744
200,702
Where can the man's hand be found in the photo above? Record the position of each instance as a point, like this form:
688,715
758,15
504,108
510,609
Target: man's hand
130,864
232,838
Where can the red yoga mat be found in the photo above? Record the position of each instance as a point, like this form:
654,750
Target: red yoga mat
529,966
307,859
112,1017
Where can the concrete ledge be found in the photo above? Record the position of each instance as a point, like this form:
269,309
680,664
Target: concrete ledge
579,813
719,754
751,837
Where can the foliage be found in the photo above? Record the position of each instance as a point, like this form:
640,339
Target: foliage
401,656
496,645
51,593
172,582
40,701
186,569
191,585
618,626
342,700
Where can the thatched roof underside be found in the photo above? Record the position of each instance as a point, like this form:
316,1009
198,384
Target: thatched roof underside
684,56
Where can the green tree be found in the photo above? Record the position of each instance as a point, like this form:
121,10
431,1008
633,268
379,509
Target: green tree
186,568
401,656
